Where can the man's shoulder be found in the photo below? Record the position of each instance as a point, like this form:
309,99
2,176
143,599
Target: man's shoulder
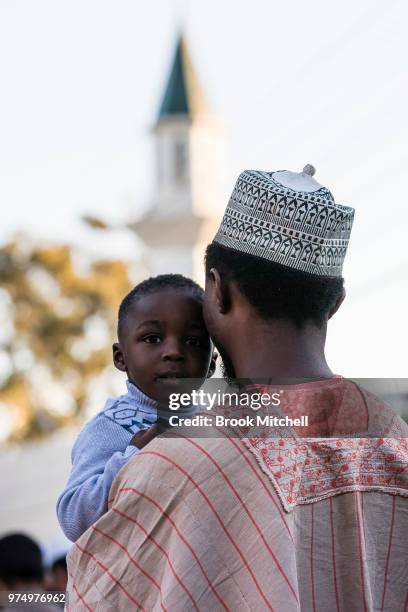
177,458
181,473
382,418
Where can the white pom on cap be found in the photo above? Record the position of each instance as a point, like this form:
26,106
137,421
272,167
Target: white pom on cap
309,169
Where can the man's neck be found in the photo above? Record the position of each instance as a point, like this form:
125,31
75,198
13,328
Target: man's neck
279,350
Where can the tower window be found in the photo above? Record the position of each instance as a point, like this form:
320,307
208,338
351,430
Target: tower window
180,162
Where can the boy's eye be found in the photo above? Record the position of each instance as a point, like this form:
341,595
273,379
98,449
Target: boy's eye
151,339
194,342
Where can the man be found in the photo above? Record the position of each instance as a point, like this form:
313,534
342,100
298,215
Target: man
247,519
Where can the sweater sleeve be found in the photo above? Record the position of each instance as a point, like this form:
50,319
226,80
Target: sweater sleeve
99,453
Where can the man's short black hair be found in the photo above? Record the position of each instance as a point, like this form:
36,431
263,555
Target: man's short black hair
20,560
157,283
275,291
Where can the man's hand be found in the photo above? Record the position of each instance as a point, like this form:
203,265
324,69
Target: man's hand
144,436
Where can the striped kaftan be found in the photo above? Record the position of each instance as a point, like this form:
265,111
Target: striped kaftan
253,523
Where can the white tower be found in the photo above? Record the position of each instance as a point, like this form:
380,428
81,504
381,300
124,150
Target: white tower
188,200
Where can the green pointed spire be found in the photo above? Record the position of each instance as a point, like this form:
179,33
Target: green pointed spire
183,94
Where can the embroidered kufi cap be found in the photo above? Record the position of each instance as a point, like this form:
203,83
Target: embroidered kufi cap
288,218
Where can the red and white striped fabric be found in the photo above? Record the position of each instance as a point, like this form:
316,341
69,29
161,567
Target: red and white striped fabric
207,524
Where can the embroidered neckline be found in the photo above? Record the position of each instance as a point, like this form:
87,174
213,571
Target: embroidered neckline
307,469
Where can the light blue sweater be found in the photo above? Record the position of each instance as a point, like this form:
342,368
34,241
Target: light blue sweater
101,450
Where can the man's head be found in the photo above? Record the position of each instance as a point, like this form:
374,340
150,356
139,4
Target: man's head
162,336
276,259
267,290
20,562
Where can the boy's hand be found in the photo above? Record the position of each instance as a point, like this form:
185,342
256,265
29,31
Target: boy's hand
144,436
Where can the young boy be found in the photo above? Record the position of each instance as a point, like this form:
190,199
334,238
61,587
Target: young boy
162,338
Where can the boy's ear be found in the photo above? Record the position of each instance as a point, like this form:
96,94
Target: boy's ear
221,291
118,357
213,364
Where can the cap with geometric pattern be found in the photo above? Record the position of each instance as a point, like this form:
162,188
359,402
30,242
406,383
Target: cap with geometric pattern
288,218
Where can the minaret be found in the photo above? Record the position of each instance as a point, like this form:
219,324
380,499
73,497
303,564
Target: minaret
187,203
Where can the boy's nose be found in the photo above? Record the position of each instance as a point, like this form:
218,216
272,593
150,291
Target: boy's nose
172,351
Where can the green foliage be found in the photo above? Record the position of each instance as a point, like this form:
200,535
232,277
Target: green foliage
62,323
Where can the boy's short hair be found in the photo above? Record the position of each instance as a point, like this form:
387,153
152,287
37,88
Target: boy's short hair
153,284
20,560
276,291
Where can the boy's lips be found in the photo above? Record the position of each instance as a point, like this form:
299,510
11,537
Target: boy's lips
170,375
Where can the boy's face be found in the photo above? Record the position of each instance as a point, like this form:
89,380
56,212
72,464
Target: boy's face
162,340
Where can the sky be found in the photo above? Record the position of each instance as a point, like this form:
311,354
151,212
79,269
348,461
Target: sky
291,82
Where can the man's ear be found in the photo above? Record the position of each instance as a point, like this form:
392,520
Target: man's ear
338,303
213,364
221,291
118,357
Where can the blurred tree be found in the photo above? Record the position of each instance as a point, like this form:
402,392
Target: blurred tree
57,315
96,222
